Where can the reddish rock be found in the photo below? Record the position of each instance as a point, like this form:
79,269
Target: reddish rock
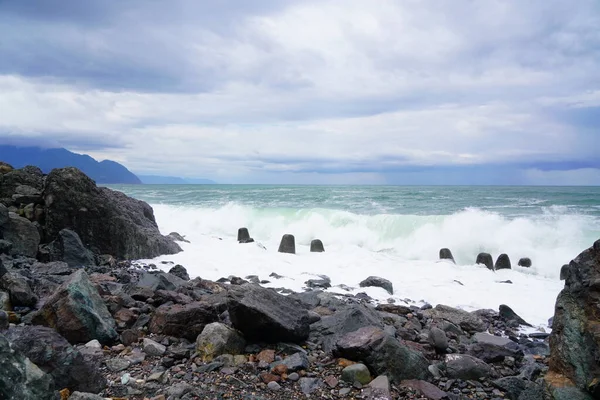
266,377
267,356
280,369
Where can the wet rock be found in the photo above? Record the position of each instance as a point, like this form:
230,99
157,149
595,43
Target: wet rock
23,235
356,373
438,339
217,339
56,357
462,366
180,272
77,312
316,246
18,289
508,315
178,237
503,262
265,315
107,221
465,320
575,338
446,254
331,328
323,283
525,262
186,321
485,259
20,378
288,244
375,281
382,353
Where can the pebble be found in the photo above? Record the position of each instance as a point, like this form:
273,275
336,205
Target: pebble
274,386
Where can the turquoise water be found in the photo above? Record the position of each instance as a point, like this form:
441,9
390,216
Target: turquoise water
388,231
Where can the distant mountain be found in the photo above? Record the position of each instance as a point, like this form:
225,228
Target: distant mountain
173,180
47,159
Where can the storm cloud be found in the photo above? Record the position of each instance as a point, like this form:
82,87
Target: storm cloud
301,91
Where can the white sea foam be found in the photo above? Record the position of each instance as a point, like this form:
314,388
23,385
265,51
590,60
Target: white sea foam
401,248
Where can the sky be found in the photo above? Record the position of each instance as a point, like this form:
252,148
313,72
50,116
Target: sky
310,91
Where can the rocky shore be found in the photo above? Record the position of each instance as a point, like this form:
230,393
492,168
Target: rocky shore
80,320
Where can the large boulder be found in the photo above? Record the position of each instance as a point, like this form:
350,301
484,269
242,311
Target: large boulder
23,235
492,349
265,315
28,176
107,221
465,320
186,321
575,338
465,367
331,328
77,312
55,356
20,378
72,251
18,289
383,354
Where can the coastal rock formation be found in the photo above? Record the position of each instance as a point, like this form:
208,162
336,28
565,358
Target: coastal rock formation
56,357
107,221
20,378
485,259
266,315
575,338
77,312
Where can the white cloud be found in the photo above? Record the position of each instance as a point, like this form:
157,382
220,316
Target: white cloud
328,85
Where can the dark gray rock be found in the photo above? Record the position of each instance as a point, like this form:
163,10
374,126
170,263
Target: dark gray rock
180,272
508,315
575,338
85,396
263,314
288,244
446,254
296,362
525,262
20,378
310,385
18,289
503,262
316,246
3,216
493,349
186,321
465,320
485,259
177,237
564,272
375,281
5,246
72,251
438,339
465,367
107,221
323,283
56,357
78,312
27,176
23,235
331,328
520,389
382,353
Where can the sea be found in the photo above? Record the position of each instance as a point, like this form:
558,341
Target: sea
394,232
